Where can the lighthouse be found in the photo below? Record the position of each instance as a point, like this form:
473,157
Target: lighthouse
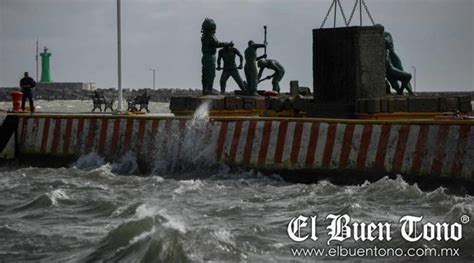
45,66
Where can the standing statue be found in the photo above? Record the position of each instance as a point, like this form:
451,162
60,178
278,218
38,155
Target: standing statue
228,54
394,69
279,72
209,50
251,66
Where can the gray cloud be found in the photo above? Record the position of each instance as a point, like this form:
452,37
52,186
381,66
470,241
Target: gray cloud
433,35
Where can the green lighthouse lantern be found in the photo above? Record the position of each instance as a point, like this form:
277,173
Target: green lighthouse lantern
45,69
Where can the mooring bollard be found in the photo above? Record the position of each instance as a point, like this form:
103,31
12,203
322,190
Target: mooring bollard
16,99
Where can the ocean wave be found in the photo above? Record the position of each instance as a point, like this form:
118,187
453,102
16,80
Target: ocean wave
45,200
147,236
93,162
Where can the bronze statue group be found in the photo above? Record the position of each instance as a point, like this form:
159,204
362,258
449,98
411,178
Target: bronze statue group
253,76
228,54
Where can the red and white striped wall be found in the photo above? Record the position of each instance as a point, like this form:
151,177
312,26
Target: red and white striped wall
426,149
417,148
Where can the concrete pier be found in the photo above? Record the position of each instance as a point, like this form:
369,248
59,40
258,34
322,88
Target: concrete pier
422,148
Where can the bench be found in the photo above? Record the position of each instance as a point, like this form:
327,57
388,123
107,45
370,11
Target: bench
139,103
99,100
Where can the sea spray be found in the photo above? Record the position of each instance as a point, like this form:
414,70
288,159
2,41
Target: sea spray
89,161
201,115
186,147
126,165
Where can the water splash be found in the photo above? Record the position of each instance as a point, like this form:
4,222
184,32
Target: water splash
202,113
127,165
187,147
89,161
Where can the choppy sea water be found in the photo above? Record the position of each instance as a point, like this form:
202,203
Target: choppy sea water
76,106
95,211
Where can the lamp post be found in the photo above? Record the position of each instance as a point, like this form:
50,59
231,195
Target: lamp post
119,59
154,72
414,76
37,52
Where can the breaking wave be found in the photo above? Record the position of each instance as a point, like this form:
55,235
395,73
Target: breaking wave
148,236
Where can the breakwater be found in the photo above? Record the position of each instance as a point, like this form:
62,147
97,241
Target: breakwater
58,93
433,150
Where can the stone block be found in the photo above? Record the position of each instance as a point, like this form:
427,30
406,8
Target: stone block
465,107
452,104
362,105
248,103
401,104
384,105
260,104
298,103
192,103
348,64
233,103
463,99
218,104
178,103
288,104
294,88
390,105
276,104
423,104
373,106
305,91
443,104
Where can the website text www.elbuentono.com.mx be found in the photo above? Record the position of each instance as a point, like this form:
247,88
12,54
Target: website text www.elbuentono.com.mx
340,251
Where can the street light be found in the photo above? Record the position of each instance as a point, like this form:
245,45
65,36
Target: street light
154,72
119,59
414,76
37,52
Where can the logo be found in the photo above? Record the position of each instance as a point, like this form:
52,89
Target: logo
342,227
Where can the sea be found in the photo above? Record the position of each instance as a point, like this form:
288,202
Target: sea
95,211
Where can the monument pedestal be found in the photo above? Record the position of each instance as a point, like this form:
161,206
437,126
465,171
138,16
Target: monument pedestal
348,64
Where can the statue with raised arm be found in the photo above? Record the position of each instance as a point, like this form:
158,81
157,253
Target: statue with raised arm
230,69
394,69
210,44
278,69
251,67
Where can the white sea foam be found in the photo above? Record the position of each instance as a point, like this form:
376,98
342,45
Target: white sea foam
224,236
56,195
144,211
189,185
173,221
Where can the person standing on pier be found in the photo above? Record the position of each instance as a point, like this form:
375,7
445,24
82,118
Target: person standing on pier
27,84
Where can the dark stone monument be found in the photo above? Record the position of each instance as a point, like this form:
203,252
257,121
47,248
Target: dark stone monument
348,64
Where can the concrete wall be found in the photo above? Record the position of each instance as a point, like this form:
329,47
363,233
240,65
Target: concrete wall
417,148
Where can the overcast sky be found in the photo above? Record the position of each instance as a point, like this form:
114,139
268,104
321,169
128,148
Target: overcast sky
435,36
